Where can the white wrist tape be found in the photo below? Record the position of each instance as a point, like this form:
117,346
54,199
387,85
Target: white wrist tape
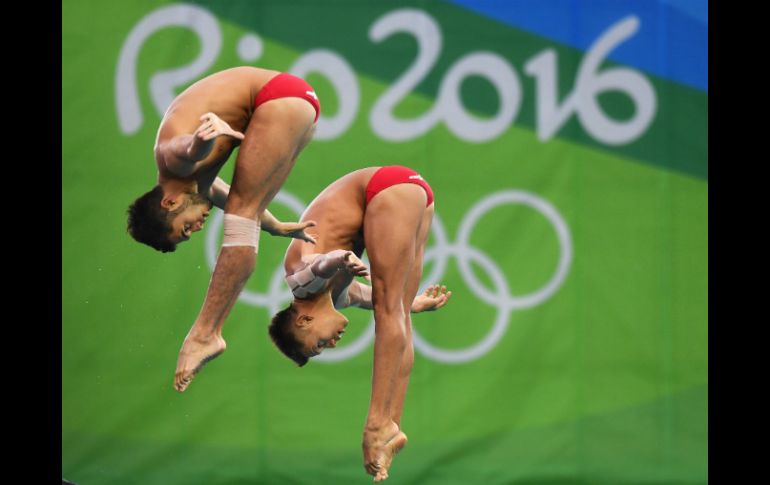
304,282
241,231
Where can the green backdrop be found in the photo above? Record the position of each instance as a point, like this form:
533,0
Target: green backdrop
572,231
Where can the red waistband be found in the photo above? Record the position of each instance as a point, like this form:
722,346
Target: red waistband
285,85
392,175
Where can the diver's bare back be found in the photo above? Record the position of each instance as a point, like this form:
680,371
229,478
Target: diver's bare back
339,215
228,94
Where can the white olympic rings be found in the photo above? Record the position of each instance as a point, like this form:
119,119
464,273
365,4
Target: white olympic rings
278,294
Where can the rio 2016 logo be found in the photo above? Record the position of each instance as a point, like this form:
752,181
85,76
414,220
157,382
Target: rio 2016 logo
551,114
278,294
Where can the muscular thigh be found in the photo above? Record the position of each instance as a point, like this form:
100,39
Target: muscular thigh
391,227
422,238
277,132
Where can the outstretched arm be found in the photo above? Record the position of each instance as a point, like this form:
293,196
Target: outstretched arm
433,298
218,196
295,230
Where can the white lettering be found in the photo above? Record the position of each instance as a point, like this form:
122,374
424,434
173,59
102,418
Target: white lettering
343,79
428,36
590,83
162,84
551,114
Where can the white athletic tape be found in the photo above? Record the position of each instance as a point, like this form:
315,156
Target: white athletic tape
240,231
304,282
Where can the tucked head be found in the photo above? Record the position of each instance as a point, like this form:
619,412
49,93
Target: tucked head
306,327
163,221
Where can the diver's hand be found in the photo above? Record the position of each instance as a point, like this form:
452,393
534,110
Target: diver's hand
213,126
296,230
433,298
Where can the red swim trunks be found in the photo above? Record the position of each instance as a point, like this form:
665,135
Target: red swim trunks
285,85
393,175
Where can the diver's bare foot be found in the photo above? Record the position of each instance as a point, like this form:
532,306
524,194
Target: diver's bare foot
380,446
195,353
392,447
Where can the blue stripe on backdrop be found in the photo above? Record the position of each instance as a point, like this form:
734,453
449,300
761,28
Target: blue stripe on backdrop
672,41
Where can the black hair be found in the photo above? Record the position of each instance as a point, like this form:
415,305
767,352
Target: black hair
148,221
281,332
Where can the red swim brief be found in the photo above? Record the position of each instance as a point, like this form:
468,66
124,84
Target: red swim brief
393,175
285,85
